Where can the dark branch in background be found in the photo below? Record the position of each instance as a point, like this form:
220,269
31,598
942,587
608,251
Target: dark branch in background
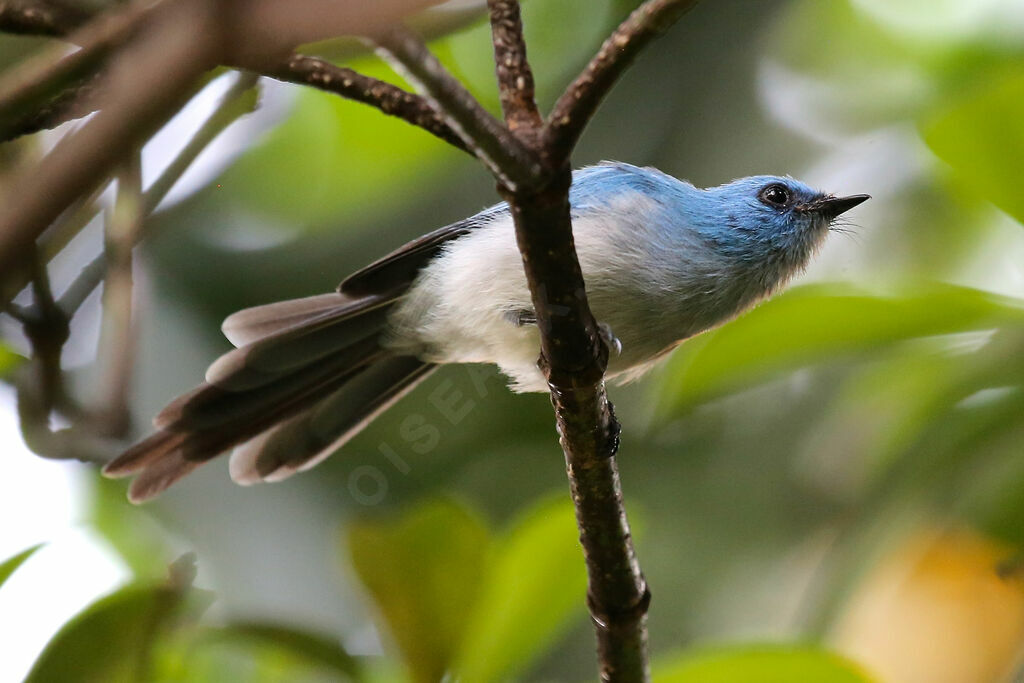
40,384
352,85
47,329
238,101
116,349
515,79
172,52
504,154
80,214
72,102
577,105
32,17
44,77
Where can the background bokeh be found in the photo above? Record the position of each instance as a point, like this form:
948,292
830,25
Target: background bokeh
841,470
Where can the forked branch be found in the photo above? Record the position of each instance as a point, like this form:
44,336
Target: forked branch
509,160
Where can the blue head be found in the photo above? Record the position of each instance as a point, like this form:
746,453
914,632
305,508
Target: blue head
771,218
749,236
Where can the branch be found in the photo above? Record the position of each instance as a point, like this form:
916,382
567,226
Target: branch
33,17
352,85
117,339
47,328
515,79
74,101
509,160
149,80
573,359
31,84
580,100
573,356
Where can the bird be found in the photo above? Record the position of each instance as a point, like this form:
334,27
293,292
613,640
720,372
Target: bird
662,261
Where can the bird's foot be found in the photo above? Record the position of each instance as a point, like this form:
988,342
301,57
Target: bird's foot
609,338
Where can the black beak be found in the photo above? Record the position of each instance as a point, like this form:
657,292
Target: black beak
830,207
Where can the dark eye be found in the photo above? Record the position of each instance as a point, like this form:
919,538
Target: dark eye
775,195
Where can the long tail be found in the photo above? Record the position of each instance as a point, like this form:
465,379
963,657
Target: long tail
307,375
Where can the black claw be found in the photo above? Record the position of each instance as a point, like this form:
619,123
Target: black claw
614,432
611,341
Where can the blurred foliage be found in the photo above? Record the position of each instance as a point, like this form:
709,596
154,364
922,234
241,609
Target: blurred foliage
253,652
458,599
152,633
783,462
8,361
11,564
982,137
759,664
824,324
113,639
937,595
133,534
532,590
424,572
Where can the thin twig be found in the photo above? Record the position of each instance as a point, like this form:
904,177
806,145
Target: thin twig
515,79
352,85
238,101
117,339
509,160
580,100
53,242
40,384
46,328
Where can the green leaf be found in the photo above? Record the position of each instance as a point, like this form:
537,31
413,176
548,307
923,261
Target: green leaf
315,648
814,324
8,360
424,571
136,537
982,137
111,640
10,565
759,664
253,653
536,584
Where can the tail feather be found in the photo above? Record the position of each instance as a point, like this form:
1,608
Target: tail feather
210,406
309,438
319,355
259,322
315,336
159,475
142,454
